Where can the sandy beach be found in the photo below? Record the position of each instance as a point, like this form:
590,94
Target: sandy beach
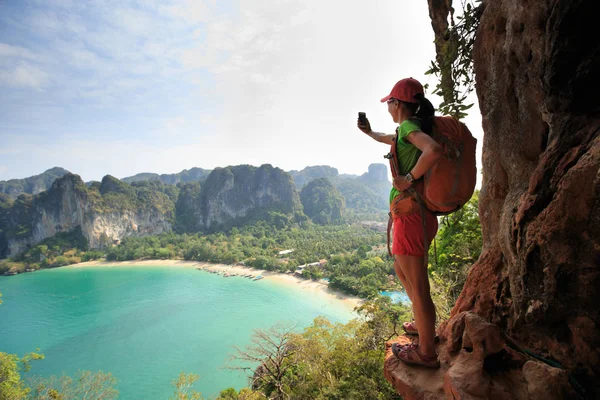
311,287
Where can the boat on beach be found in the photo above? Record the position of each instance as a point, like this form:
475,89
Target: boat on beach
258,278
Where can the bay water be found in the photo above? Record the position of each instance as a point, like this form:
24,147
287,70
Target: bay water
146,324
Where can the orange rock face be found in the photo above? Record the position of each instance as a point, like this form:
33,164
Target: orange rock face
476,363
538,278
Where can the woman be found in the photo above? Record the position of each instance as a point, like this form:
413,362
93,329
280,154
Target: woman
417,153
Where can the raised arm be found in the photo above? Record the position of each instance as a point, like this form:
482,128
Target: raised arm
380,137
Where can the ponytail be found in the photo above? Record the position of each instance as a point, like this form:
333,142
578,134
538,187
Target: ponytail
424,113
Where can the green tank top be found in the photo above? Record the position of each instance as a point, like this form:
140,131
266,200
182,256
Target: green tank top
407,153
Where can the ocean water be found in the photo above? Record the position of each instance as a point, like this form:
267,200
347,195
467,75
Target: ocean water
148,324
397,297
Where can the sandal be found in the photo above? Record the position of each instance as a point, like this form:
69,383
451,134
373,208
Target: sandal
410,354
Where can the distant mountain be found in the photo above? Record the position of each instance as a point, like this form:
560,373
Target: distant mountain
308,174
32,185
322,202
104,213
191,175
108,211
366,193
234,195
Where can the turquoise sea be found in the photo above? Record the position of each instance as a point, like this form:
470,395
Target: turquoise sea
148,324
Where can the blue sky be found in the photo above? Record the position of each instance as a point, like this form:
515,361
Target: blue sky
122,87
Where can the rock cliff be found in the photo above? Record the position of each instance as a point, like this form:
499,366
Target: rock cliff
238,192
106,215
322,202
538,276
32,185
110,210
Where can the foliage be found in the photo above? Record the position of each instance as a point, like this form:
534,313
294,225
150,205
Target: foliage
458,246
33,184
184,387
12,387
454,61
363,196
325,360
85,385
267,359
55,246
186,207
356,275
243,394
322,202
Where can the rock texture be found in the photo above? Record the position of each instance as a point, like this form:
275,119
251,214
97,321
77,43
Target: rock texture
110,210
539,272
477,363
233,194
538,276
104,216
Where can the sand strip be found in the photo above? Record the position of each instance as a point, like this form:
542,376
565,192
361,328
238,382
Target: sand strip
237,271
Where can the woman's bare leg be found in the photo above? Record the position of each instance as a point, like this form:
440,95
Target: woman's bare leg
402,277
414,271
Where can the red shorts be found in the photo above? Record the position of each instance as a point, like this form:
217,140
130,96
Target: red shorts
408,234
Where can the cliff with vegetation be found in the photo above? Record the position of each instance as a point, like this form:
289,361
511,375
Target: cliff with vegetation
108,211
104,213
187,175
32,185
535,285
234,195
322,202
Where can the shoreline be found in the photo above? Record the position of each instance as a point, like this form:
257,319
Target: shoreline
239,270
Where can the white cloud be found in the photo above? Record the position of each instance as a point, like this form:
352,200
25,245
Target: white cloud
174,123
253,81
134,21
7,50
24,75
193,11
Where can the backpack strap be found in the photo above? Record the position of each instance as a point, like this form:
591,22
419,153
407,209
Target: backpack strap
392,156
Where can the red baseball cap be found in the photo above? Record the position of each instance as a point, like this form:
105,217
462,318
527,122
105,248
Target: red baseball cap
405,89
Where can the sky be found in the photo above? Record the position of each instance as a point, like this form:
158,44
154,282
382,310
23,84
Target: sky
130,86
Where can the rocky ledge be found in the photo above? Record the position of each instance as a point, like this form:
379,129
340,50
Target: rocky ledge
477,362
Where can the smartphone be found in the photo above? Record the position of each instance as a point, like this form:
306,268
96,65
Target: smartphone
362,118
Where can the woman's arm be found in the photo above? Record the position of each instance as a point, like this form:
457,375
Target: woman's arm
380,137
431,151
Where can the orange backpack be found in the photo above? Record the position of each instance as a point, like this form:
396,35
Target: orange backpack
450,183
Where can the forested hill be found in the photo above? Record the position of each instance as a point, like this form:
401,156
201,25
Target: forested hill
187,175
32,185
108,211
